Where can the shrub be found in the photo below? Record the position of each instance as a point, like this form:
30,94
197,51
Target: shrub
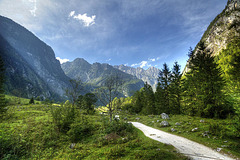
81,129
63,116
119,127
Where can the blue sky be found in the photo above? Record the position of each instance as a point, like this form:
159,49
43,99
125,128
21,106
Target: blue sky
137,33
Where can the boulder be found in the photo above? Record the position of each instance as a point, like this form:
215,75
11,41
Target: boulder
164,124
164,116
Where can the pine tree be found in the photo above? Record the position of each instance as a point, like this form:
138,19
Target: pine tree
148,99
163,91
175,90
203,86
2,78
31,101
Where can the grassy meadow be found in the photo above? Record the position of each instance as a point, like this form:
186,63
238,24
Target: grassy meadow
30,131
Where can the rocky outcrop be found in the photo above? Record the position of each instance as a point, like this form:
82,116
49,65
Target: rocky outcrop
222,29
150,75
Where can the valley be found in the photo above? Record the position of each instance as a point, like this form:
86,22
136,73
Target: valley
83,109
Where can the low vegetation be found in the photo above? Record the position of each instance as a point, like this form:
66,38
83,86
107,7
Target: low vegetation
34,131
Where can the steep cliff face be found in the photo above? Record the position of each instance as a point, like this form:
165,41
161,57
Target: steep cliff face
150,75
223,28
36,55
95,74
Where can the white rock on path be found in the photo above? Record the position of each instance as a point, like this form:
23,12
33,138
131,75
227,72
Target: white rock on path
191,149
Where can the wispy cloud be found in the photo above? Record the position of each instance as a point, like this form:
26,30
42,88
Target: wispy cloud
33,11
87,21
62,60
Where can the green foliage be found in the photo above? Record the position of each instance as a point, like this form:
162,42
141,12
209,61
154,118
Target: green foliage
121,128
31,101
175,90
2,80
81,128
148,99
87,102
163,90
229,62
203,85
12,146
63,116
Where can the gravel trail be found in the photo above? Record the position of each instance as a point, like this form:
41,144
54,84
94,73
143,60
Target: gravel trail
189,148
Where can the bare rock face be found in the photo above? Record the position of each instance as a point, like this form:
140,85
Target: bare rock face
222,29
150,75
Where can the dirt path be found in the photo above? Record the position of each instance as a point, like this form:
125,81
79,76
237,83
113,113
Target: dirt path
191,149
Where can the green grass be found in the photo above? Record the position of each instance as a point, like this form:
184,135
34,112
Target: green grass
221,132
28,132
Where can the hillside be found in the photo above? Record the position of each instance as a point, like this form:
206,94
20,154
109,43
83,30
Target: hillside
32,69
95,75
222,29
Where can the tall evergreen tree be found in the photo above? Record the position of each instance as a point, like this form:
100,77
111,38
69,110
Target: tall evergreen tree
138,104
163,91
2,78
203,86
175,90
148,99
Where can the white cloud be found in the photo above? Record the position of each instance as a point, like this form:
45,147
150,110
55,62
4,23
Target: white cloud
33,11
108,60
87,21
71,13
143,64
153,60
62,60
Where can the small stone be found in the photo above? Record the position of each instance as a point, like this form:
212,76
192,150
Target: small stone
164,116
194,129
173,130
137,118
224,146
158,149
225,141
202,121
125,118
152,121
219,149
158,121
152,134
177,124
72,145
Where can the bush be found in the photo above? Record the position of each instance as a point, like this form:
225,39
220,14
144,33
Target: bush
63,116
12,146
81,129
119,127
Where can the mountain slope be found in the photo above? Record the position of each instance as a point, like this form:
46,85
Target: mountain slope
222,29
32,60
150,75
96,74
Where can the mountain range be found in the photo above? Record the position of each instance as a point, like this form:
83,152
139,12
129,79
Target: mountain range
32,69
